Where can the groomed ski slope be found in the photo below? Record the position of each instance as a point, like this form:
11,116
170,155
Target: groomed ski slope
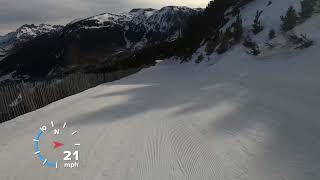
245,117
242,118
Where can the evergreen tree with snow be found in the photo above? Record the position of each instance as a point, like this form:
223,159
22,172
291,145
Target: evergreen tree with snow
257,27
272,34
253,46
237,29
290,20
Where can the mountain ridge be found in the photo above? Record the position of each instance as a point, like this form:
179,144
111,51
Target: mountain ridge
91,43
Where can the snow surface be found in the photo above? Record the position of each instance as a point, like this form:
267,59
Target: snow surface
8,76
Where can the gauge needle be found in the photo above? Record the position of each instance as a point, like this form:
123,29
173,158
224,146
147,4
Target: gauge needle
56,144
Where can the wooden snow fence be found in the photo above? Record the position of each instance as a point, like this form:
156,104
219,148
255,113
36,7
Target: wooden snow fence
18,99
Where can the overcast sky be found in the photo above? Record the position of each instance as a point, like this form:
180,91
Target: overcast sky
14,13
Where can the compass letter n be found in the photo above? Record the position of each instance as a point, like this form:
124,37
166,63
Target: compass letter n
56,131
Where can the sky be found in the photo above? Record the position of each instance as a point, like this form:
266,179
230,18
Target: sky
14,13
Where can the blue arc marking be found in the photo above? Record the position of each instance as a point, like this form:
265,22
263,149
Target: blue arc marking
36,149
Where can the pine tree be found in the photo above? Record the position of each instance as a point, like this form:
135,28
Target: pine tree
237,29
272,34
301,41
199,59
269,3
290,20
307,8
317,7
210,5
214,42
223,46
248,42
225,41
257,27
255,51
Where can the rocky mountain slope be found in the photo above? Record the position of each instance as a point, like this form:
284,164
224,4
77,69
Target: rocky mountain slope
138,27
91,44
260,28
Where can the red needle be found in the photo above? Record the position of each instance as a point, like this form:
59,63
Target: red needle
56,144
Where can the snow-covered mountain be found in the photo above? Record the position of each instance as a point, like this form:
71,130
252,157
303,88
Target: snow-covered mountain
138,27
92,43
28,32
14,40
